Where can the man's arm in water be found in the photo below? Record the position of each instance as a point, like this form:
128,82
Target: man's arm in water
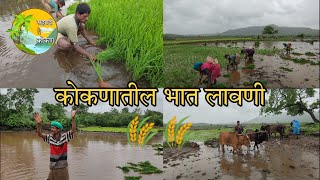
82,51
38,120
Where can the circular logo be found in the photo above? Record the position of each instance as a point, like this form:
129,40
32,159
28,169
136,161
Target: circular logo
34,31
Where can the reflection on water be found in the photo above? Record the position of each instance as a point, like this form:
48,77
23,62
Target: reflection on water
90,156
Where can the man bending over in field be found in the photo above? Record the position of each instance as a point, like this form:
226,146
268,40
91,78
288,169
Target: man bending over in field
234,60
70,27
211,69
248,53
54,5
58,147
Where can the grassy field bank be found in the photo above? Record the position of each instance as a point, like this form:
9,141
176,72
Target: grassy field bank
112,129
212,132
179,60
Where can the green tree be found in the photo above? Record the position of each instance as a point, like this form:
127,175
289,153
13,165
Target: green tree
15,108
82,108
301,36
21,100
269,30
294,101
53,112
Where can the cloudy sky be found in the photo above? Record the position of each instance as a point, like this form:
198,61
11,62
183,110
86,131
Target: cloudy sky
215,16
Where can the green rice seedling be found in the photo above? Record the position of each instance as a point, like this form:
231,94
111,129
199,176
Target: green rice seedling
142,168
286,69
310,54
97,66
109,54
132,177
250,66
135,29
296,54
268,52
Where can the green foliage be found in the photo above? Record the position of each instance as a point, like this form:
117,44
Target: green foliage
137,36
299,60
293,101
110,54
72,9
179,60
296,54
53,112
111,129
132,177
286,69
310,54
16,107
142,167
250,66
269,30
20,102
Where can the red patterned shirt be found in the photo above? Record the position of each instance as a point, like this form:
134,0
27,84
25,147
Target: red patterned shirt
58,149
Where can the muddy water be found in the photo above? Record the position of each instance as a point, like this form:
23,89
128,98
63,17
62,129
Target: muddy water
267,68
275,160
270,68
90,156
54,67
298,47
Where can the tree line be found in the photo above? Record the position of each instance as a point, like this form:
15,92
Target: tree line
16,109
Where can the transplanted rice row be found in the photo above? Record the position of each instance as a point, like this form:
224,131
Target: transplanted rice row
134,30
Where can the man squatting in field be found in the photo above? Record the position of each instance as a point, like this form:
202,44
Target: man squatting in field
70,27
54,5
58,147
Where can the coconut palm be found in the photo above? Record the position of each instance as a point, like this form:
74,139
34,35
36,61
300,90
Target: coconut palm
21,22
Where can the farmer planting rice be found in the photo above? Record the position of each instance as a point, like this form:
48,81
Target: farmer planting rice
54,6
210,68
249,52
70,27
234,60
58,147
288,47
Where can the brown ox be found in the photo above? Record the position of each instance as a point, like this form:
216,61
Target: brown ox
274,129
234,140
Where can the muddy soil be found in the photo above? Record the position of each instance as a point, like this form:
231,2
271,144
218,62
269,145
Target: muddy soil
289,158
269,69
275,71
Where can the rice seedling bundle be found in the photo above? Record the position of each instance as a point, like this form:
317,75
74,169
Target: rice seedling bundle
134,30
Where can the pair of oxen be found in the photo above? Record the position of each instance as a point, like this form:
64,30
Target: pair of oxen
238,140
